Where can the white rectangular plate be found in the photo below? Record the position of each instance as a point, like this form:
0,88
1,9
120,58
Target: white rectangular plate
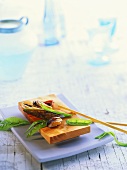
42,151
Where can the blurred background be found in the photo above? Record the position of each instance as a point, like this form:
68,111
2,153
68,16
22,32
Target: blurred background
78,15
65,64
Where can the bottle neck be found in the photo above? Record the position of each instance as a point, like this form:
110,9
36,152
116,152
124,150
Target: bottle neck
49,8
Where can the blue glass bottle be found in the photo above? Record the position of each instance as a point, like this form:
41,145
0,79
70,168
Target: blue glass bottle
49,24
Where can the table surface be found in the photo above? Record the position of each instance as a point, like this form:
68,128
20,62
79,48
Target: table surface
97,91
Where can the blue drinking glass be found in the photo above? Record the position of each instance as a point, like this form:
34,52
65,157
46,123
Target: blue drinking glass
99,42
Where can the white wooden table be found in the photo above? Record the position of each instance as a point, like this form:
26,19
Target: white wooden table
98,91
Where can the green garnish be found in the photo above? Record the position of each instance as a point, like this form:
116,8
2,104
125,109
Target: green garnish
33,124
114,136
55,111
10,122
35,127
78,122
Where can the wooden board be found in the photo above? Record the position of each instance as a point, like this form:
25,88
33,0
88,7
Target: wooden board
59,133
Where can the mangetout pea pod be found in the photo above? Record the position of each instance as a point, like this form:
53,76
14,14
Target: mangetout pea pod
78,122
34,124
35,127
55,111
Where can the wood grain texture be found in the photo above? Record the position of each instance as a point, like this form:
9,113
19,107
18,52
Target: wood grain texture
61,132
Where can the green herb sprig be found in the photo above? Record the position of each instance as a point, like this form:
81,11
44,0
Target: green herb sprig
10,122
114,136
